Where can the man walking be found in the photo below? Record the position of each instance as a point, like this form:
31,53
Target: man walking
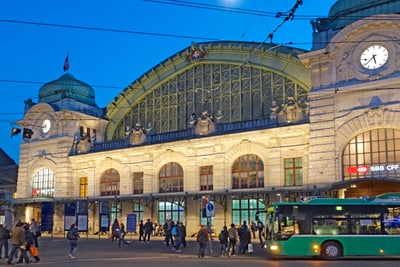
73,236
18,243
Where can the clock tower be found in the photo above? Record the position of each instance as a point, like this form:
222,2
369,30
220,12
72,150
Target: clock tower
355,73
65,117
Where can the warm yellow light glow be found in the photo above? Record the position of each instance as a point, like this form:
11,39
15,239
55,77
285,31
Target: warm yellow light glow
274,247
315,248
381,251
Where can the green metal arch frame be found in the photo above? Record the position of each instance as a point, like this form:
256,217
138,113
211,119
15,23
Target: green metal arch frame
278,58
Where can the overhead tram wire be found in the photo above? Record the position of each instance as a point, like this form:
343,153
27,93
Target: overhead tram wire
253,12
107,30
289,16
214,7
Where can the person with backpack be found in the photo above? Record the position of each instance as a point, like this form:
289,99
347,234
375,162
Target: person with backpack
4,236
233,238
73,236
223,240
203,237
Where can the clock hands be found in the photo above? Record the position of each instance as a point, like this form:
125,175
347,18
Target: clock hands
369,60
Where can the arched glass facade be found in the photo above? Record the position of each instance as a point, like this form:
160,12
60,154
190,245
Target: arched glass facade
240,93
43,183
373,154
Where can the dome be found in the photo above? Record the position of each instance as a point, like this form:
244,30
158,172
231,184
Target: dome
67,87
345,12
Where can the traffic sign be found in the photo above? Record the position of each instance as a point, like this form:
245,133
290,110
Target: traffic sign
210,209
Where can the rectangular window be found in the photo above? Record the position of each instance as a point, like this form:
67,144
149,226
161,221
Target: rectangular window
137,183
206,178
83,187
293,171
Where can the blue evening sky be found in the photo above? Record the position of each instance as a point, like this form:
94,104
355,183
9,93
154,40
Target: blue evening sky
112,43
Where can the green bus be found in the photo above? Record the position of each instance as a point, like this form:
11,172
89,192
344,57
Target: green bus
334,228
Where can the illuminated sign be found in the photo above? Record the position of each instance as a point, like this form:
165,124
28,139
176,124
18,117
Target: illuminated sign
387,167
373,168
359,169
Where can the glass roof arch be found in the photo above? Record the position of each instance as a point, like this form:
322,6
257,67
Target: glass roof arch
241,80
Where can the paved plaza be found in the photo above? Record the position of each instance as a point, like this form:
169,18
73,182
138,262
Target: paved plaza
54,250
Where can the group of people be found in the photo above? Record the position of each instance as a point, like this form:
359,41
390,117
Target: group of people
229,239
175,233
145,230
24,242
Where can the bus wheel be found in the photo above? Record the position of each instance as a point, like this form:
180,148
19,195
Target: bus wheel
331,250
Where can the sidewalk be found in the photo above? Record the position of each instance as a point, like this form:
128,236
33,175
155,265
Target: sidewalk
55,249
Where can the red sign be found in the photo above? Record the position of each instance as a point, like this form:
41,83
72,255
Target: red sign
358,169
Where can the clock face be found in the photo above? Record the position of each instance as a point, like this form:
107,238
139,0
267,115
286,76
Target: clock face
374,57
46,126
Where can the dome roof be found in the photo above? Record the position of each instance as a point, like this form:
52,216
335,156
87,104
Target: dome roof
67,87
345,12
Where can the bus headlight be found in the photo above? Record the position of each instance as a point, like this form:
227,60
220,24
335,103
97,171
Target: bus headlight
274,248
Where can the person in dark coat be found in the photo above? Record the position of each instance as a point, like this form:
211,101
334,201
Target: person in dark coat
141,231
148,230
244,238
4,236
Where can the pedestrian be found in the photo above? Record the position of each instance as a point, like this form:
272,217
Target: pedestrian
167,231
35,229
18,243
260,227
223,240
141,231
122,235
203,237
253,228
177,232
29,241
4,237
244,238
73,236
183,229
233,239
115,230
148,230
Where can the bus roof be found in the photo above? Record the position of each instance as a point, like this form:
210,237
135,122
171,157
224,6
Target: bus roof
388,198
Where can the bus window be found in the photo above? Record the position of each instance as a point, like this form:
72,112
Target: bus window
392,226
325,227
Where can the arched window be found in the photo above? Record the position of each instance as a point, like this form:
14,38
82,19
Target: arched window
248,172
43,183
171,178
373,154
109,183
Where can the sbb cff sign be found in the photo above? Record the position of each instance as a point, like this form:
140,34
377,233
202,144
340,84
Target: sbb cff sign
358,169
